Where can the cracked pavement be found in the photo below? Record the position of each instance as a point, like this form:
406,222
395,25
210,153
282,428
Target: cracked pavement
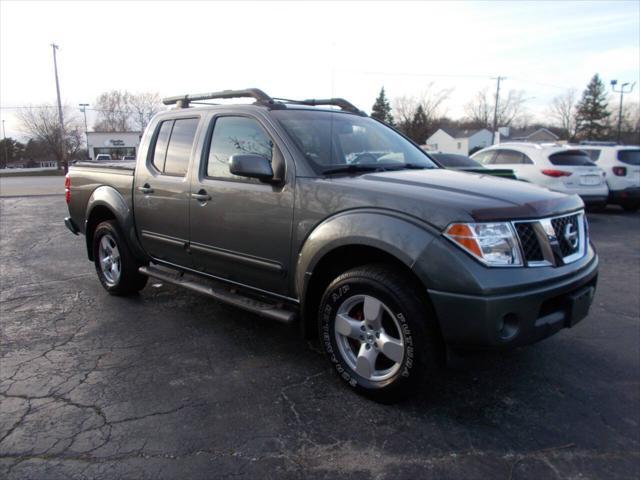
169,384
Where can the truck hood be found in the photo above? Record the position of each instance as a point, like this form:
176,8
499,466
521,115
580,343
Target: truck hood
442,196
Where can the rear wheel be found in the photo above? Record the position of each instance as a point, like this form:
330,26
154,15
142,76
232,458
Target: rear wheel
631,207
115,264
378,332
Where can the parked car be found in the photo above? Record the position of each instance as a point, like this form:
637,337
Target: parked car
129,158
622,167
566,170
333,220
462,163
103,157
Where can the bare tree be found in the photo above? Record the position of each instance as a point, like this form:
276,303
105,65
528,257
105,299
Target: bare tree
424,109
562,112
114,111
42,123
480,110
143,107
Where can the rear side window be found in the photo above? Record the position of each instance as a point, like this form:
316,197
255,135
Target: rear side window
180,145
575,158
511,157
235,135
593,154
160,150
630,157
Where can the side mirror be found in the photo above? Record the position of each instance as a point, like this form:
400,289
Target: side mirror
252,166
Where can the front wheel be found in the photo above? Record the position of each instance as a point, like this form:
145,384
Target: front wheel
378,332
115,265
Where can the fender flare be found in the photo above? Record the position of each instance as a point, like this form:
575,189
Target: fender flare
398,234
112,199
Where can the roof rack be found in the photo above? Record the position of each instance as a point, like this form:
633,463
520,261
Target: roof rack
183,101
313,102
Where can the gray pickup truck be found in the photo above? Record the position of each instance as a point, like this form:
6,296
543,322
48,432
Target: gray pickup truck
312,212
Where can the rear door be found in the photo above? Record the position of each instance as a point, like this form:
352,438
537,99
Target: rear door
241,227
161,195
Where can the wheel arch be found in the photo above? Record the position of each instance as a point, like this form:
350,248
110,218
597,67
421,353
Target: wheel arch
353,239
106,203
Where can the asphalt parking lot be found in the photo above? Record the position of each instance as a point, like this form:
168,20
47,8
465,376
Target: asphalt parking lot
171,385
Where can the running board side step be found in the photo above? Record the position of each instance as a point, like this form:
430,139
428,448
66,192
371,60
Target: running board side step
263,309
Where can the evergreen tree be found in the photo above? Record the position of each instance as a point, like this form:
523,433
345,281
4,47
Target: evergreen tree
382,109
592,117
419,129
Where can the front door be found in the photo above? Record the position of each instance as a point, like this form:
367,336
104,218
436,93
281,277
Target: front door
241,227
161,195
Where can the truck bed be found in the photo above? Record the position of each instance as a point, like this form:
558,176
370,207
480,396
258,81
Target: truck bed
86,177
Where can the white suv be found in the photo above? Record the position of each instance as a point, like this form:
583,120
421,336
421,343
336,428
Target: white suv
557,167
622,166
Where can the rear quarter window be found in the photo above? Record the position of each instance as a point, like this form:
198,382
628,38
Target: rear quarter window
630,157
575,158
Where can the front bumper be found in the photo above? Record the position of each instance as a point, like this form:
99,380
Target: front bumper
510,320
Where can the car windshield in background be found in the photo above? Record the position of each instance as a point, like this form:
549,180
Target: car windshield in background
344,142
575,158
450,160
630,157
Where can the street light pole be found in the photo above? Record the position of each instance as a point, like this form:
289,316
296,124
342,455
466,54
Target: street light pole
83,109
622,91
495,112
4,138
55,68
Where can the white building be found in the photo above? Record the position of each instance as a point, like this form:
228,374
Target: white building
116,144
462,142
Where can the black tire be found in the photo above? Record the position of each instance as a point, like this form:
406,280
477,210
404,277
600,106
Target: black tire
405,308
630,207
129,280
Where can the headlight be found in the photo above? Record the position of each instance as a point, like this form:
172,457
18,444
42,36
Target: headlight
494,244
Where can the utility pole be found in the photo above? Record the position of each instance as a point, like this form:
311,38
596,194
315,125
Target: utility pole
55,68
622,91
495,111
83,109
4,138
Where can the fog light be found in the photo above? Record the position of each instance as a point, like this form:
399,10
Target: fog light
508,326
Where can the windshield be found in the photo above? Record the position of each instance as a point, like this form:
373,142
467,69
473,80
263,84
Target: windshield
575,158
331,141
630,157
452,160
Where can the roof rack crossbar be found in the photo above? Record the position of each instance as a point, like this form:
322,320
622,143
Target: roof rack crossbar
182,101
312,102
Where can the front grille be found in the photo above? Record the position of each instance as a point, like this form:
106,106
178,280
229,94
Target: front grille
561,243
559,226
529,242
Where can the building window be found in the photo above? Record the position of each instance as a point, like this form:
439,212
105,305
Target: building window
459,145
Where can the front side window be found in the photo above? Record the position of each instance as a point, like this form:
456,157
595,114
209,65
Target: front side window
485,158
235,136
340,140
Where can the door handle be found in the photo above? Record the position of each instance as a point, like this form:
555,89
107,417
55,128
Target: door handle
146,189
201,196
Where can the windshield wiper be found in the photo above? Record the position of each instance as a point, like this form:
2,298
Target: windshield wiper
354,168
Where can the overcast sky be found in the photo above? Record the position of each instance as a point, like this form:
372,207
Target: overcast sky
305,49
